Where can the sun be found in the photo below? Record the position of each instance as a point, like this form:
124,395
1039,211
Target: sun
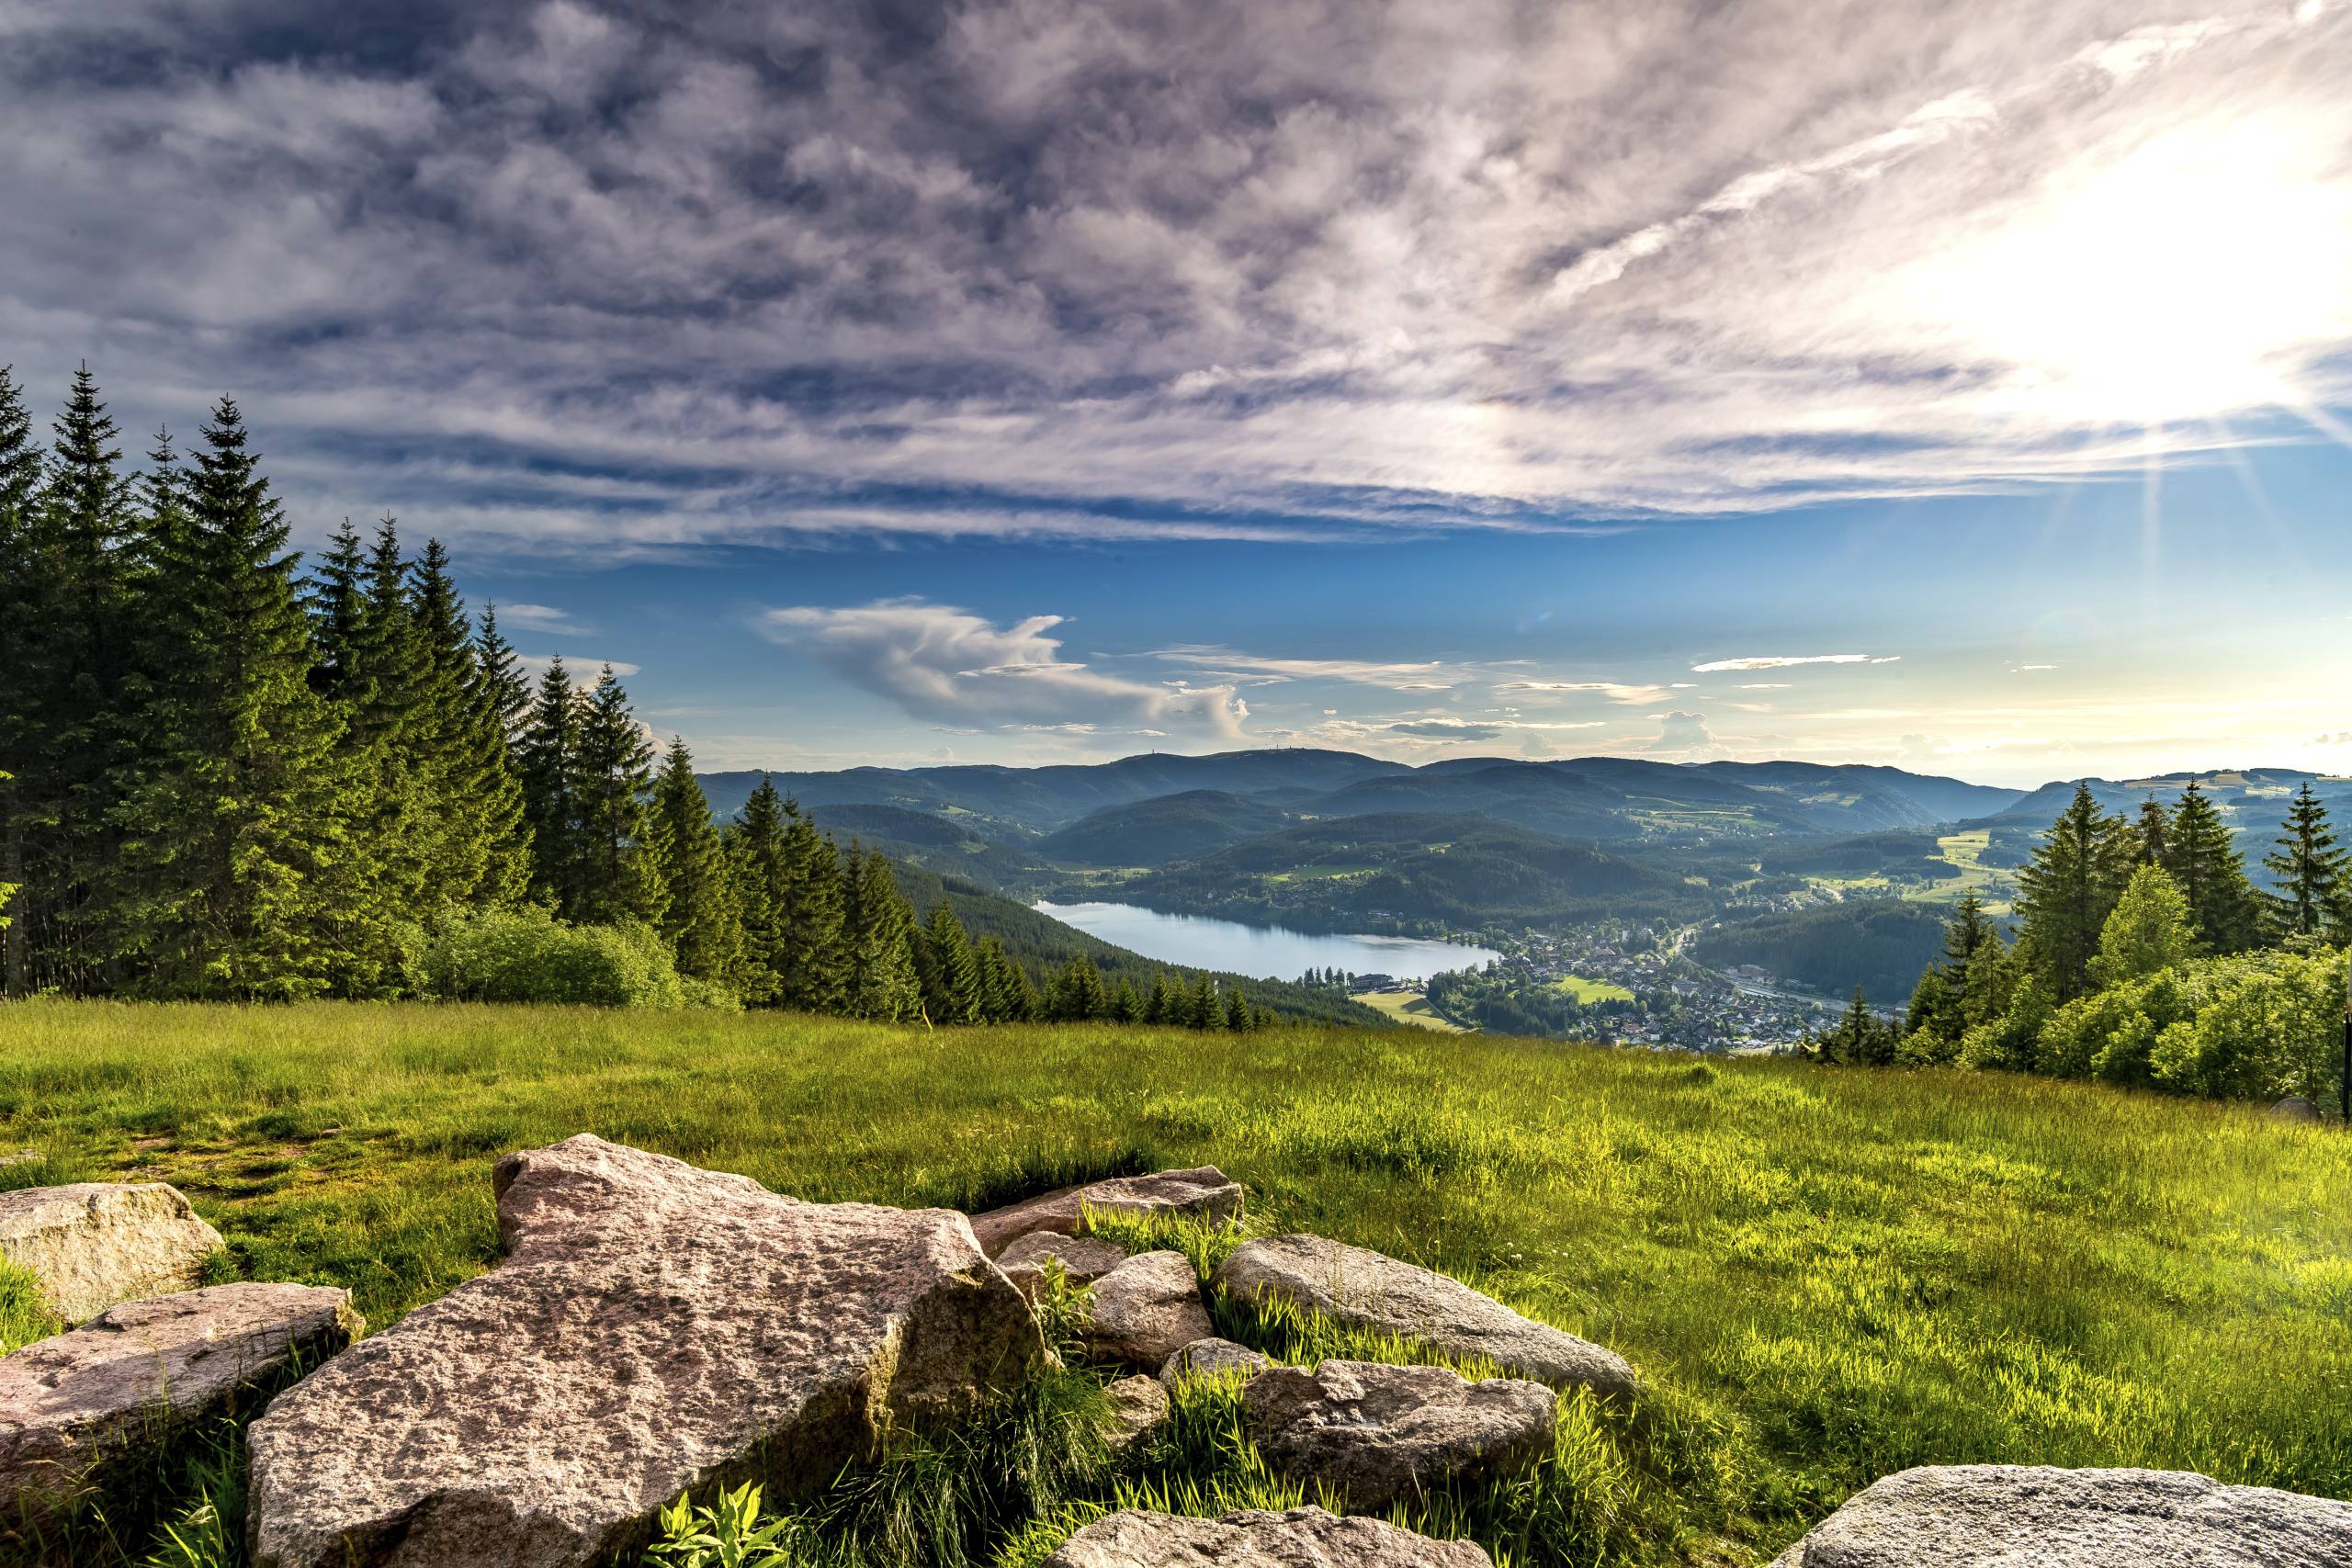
2197,275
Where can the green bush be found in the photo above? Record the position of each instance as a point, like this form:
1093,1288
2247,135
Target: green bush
528,955
2264,1024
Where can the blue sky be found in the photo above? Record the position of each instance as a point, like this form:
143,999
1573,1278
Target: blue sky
1963,388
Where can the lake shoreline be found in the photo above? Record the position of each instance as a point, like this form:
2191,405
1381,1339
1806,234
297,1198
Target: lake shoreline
1274,953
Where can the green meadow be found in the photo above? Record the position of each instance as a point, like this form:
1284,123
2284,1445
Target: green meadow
1822,1275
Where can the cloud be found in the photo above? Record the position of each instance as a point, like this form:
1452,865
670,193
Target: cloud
1430,676
1683,731
2025,668
1477,729
622,279
538,618
1784,661
1615,690
583,671
936,661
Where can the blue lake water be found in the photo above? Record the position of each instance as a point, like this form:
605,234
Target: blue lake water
1196,941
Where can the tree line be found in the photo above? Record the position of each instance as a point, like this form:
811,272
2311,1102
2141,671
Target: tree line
229,774
2143,954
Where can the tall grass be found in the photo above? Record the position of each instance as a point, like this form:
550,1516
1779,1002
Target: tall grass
1822,1276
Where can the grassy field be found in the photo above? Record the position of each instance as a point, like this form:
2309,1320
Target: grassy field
1822,1275
1410,1007
1588,991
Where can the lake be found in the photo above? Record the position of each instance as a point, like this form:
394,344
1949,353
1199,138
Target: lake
1196,941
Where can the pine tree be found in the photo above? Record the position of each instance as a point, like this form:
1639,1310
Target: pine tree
231,832
2069,890
20,597
73,657
2152,832
336,597
882,983
508,693
702,923
814,963
759,865
621,851
1004,990
549,765
2309,866
2225,911
1157,1004
1237,1016
1858,1039
481,852
1126,1006
956,995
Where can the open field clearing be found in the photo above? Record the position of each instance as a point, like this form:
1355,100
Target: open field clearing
1822,1276
1412,1008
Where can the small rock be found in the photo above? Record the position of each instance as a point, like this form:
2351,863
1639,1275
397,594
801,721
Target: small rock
1201,1191
97,1243
1137,1405
2295,1108
1146,1310
655,1327
1253,1537
1213,1357
1363,1289
1083,1259
1373,1433
2001,1516
129,1381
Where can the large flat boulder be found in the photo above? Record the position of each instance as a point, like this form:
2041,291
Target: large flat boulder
1370,1290
1203,1192
133,1378
2002,1516
654,1327
1253,1537
1374,1433
97,1243
1146,1310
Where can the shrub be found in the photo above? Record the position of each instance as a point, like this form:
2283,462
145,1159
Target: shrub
528,955
2264,1024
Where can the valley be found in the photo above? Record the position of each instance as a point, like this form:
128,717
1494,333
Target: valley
1714,906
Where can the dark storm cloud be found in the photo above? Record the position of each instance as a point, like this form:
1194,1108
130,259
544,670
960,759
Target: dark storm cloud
621,277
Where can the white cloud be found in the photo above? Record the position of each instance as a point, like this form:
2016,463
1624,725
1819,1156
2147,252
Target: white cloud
1784,661
1615,690
1430,676
538,618
1682,731
939,662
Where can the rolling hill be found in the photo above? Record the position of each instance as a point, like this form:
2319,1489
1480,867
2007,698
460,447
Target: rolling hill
1166,827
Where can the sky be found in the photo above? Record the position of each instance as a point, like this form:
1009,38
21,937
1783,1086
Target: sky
1962,387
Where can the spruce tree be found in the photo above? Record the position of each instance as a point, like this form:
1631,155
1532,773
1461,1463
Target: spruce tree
2068,890
2152,832
702,924
20,589
504,686
231,833
336,596
813,961
882,984
72,658
621,851
1158,1005
759,866
1237,1016
2224,908
2309,866
955,997
480,849
549,765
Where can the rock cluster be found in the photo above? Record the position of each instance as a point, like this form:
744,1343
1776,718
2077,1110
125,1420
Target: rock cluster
2001,1516
1370,1290
1204,1193
139,1373
98,1243
1373,1433
1302,1537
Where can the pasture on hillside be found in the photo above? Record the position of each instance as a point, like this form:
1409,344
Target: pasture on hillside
1822,1275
